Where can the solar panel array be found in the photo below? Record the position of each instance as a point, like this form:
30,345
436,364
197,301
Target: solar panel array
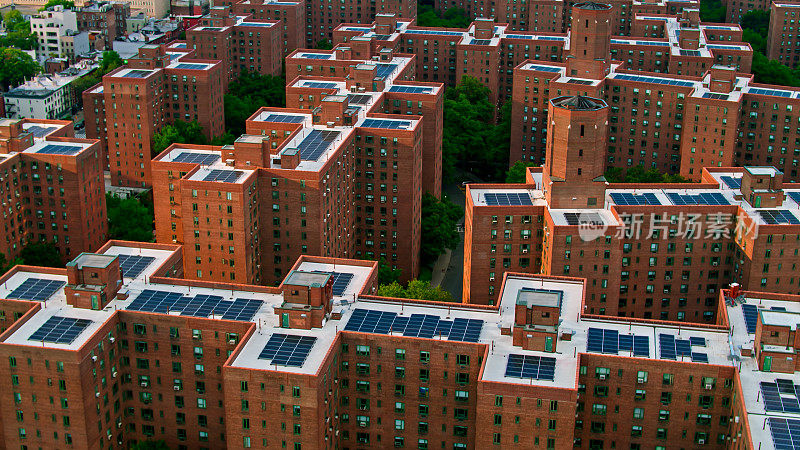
133,265
434,32
550,38
507,199
205,159
781,395
794,196
38,289
770,92
672,348
60,330
411,89
385,69
785,433
201,305
358,99
59,149
39,131
315,144
319,85
750,313
654,80
224,176
577,81
340,281
481,42
600,340
315,56
583,218
778,216
544,68
689,52
190,66
284,118
733,183
625,198
256,24
287,349
416,325
716,96
137,74
725,47
519,36
530,366
706,198
387,124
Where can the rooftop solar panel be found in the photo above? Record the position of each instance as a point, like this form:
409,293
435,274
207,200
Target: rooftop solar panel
706,198
435,33
530,366
60,330
781,396
689,52
201,305
224,176
625,198
770,92
59,149
284,118
577,81
287,349
654,80
411,89
601,340
583,218
316,143
340,281
544,68
733,183
386,124
507,199
205,159
384,70
37,289
715,96
481,42
319,85
550,38
519,36
750,313
673,348
190,66
39,131
785,432
794,196
256,24
778,216
725,47
137,74
133,265
415,325
315,56
358,99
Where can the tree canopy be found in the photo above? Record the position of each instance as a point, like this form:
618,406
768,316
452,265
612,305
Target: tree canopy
178,132
67,4
416,289
249,93
452,18
755,26
712,11
130,219
324,44
15,66
639,174
18,32
470,138
150,445
439,219
41,254
517,172
6,265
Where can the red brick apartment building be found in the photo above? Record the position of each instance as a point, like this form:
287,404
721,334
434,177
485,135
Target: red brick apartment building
240,42
784,33
703,114
52,187
290,14
338,173
159,86
128,350
660,251
109,18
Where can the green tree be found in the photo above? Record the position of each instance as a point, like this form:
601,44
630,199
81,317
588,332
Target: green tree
249,93
150,445
324,45
452,17
178,132
43,254
18,32
65,3
712,11
15,66
15,22
110,61
386,274
439,219
416,289
129,219
639,174
5,265
755,27
517,172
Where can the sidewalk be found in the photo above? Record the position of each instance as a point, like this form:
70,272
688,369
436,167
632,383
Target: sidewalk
440,268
